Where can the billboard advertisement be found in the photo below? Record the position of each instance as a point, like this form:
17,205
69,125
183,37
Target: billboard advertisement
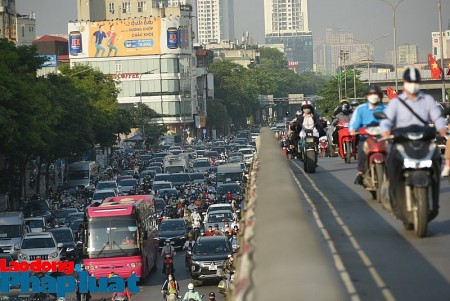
118,38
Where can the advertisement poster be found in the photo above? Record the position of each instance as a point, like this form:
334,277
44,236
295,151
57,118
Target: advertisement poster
119,38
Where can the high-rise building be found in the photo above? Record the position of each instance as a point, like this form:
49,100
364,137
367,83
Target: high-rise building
407,54
436,44
215,21
25,29
8,20
286,22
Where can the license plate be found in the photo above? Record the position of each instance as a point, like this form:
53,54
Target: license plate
310,140
213,268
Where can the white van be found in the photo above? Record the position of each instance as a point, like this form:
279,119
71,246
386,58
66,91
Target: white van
12,229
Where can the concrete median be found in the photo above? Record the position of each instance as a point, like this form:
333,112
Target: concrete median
282,256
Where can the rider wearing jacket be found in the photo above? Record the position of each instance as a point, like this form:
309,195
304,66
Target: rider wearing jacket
308,120
343,116
364,117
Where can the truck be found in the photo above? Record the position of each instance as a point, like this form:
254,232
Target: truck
176,163
12,229
81,174
229,173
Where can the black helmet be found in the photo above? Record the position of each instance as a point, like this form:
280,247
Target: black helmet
354,103
374,89
211,294
411,75
345,107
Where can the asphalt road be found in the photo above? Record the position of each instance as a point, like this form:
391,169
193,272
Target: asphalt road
376,258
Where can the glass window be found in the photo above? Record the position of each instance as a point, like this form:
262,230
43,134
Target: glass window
111,8
126,7
142,6
38,243
169,65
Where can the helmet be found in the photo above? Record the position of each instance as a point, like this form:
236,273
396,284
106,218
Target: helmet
190,286
411,75
354,103
344,100
211,294
167,241
345,107
374,89
306,104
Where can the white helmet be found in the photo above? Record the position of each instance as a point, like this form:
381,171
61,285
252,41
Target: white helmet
190,286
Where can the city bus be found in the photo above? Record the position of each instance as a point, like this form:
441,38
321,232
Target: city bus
120,237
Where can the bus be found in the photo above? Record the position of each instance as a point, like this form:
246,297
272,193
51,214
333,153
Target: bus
82,174
120,236
229,173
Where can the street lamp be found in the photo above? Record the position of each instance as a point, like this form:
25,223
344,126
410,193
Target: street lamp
394,9
354,75
140,99
369,56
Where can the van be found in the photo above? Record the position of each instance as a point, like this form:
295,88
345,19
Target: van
82,174
12,229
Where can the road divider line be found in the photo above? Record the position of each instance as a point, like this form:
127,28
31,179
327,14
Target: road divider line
364,258
336,257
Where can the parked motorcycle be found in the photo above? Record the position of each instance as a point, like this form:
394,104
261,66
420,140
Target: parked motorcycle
346,142
309,151
376,152
413,179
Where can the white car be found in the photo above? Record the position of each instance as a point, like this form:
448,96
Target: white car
39,246
36,224
100,195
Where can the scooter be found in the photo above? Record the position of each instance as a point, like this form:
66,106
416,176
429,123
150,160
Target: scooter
376,152
414,178
346,142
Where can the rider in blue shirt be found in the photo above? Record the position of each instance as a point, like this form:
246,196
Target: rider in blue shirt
363,117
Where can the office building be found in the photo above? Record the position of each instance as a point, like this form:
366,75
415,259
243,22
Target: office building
215,21
286,22
8,20
436,44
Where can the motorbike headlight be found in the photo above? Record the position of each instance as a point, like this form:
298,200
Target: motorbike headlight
53,255
411,163
425,164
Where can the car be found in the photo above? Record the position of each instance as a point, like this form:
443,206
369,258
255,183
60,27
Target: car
64,235
127,185
154,170
73,216
208,255
38,246
36,224
62,214
106,184
234,188
162,177
171,192
218,217
217,207
201,165
100,195
38,208
174,229
157,185
197,177
179,179
248,155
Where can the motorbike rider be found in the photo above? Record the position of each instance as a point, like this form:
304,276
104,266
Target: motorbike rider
343,116
189,244
412,107
363,117
309,120
337,110
212,296
191,294
125,295
228,269
168,249
354,104
170,287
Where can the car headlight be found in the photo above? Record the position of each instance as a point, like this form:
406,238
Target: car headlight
70,249
53,255
195,262
22,256
182,236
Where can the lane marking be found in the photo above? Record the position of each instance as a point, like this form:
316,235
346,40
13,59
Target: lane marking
386,292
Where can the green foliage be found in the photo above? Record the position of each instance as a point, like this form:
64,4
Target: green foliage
217,113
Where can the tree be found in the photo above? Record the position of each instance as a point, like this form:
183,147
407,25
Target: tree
218,117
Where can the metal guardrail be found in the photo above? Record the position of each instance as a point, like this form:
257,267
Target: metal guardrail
282,256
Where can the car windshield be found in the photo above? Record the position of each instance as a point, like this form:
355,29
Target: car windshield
247,151
220,217
75,224
162,177
202,164
38,243
179,178
161,186
64,213
127,182
62,236
211,247
104,185
103,195
196,176
36,206
232,188
10,231
38,223
171,226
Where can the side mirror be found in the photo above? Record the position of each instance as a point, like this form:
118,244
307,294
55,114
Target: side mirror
17,247
60,245
380,115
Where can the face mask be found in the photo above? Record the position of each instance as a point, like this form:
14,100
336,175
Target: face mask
373,98
306,111
412,88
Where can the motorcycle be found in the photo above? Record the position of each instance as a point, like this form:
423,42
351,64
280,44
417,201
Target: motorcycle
188,258
414,177
346,142
309,151
376,152
168,264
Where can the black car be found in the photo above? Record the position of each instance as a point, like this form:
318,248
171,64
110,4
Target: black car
38,208
208,255
62,214
74,225
65,236
174,229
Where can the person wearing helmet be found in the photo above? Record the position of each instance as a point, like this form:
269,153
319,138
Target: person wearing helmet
412,107
212,296
363,117
354,104
228,269
168,249
337,110
191,294
343,116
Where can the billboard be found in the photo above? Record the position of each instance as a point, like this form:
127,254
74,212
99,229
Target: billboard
51,60
129,37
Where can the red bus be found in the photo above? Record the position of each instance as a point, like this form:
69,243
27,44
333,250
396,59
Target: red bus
119,236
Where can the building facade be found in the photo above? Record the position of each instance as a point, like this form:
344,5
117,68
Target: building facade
8,20
436,44
25,29
286,22
215,21
408,54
